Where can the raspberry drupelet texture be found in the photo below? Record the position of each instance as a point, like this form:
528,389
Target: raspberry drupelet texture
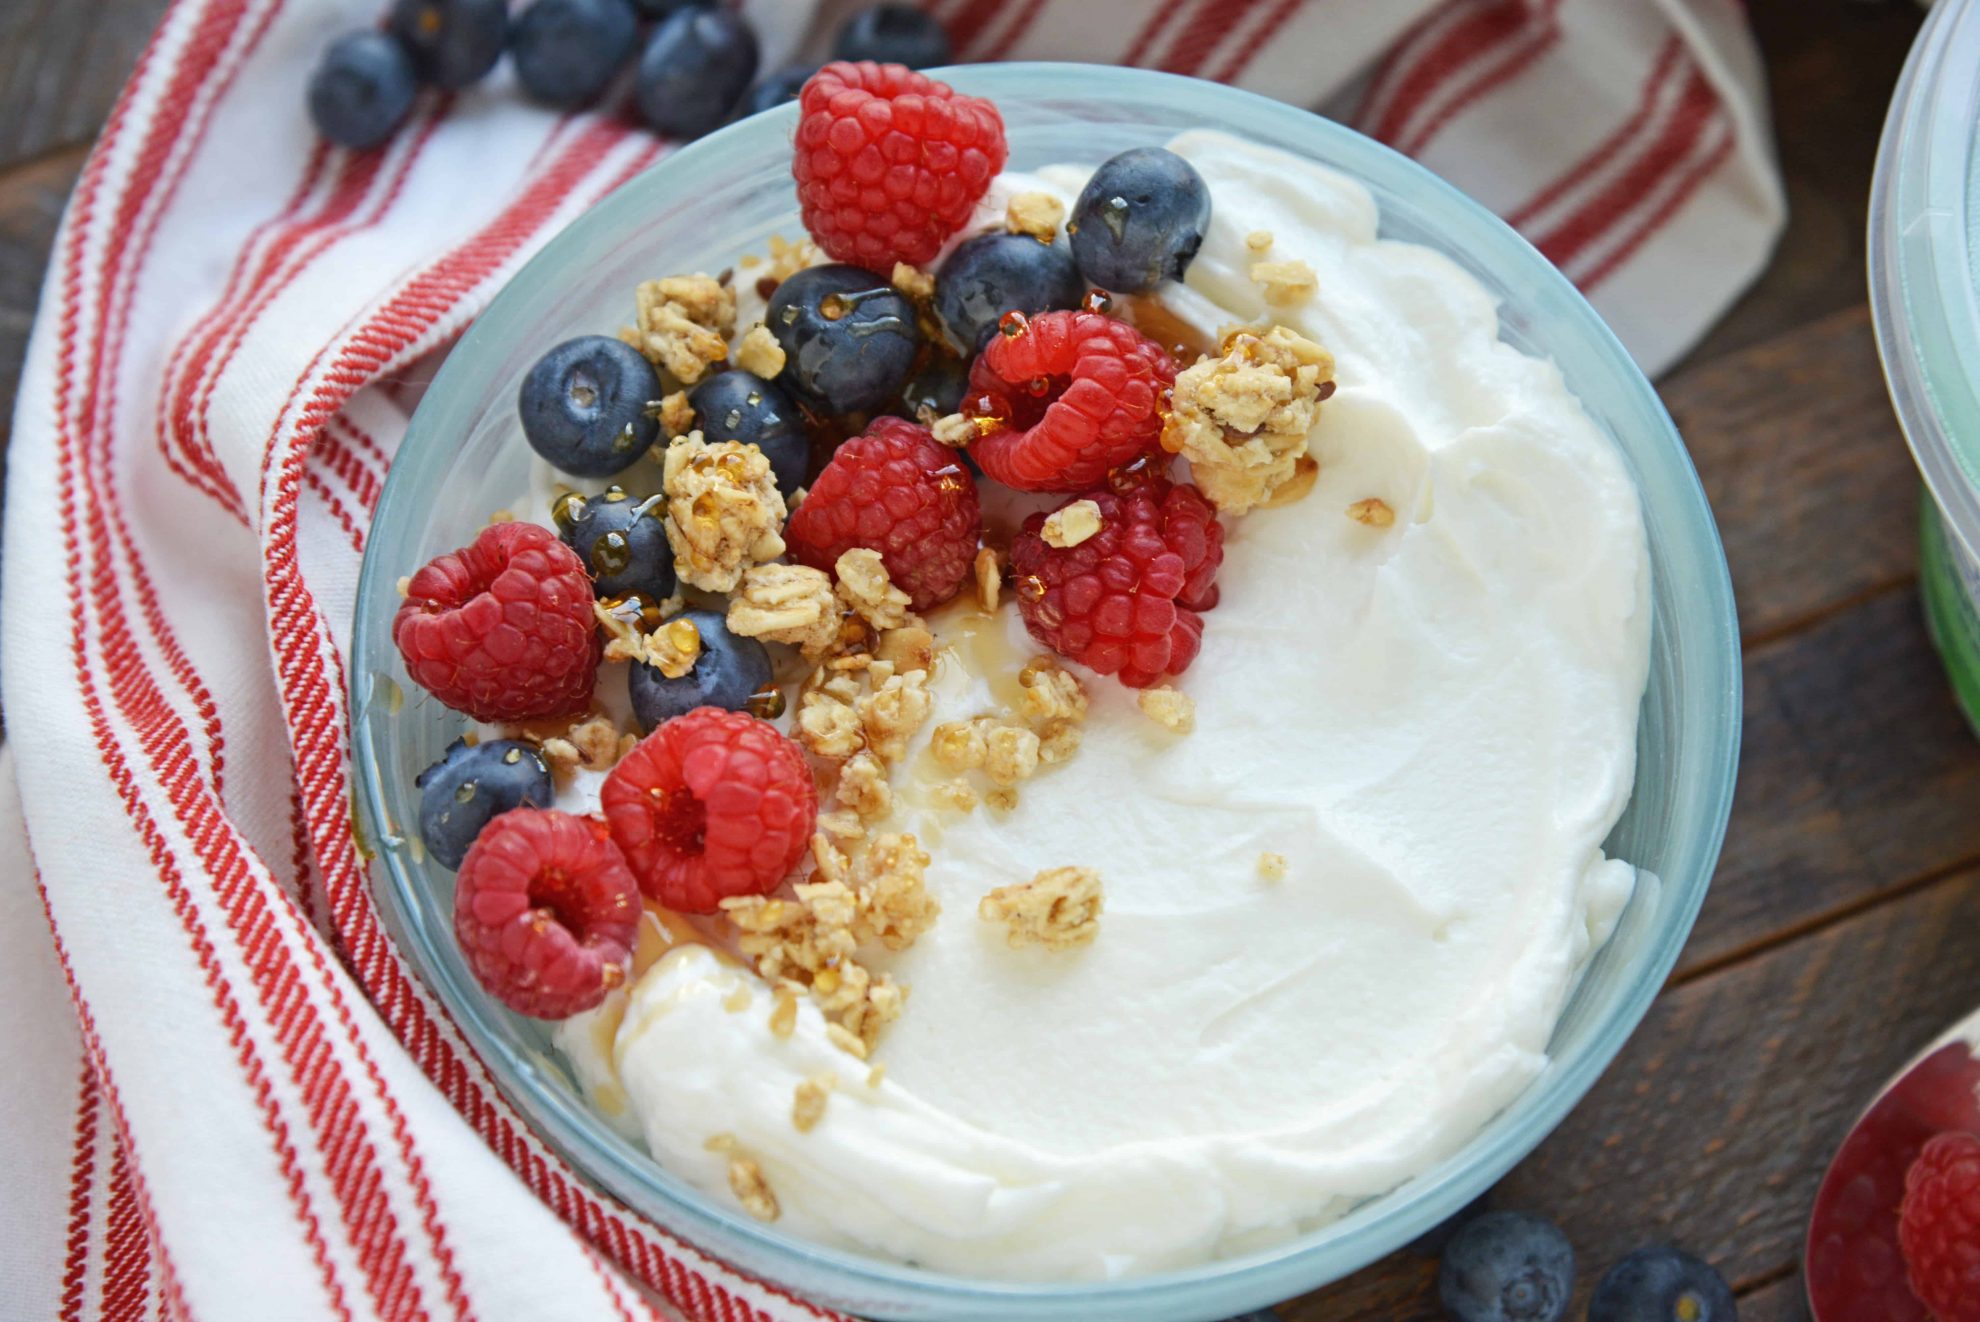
502,629
712,804
1126,600
890,163
545,910
1073,395
1939,1227
895,491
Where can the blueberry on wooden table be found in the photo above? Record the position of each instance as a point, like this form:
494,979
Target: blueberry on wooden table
849,337
1662,1284
743,407
893,34
361,89
567,51
697,65
453,43
1139,220
584,406
995,273
622,541
728,671
1507,1267
470,786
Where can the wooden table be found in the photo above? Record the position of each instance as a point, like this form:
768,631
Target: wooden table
1840,931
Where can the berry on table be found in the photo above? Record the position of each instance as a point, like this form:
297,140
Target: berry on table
622,542
726,673
545,911
1139,220
361,89
997,273
1507,1267
1662,1284
897,492
742,407
502,629
695,69
471,785
584,405
775,89
453,43
1126,600
849,337
567,51
1072,395
893,34
890,163
712,804
1939,1227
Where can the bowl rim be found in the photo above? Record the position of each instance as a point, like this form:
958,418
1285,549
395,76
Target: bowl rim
570,1127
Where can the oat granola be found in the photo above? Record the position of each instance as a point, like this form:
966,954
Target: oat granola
1036,214
1242,418
758,352
676,415
955,431
1373,511
989,573
751,1189
1071,524
916,283
808,1105
791,604
1272,866
865,587
683,324
1058,909
1169,708
723,511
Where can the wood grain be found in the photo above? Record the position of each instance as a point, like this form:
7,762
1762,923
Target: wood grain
62,63
31,199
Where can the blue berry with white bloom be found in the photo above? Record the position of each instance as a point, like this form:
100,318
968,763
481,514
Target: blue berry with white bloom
453,43
1662,1284
361,89
1139,220
695,70
584,406
470,786
893,34
729,669
567,51
1507,1267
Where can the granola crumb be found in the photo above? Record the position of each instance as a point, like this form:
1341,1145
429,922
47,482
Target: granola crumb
1242,418
989,580
671,648
1072,524
501,516
759,352
955,431
1003,798
751,1189
808,1106
845,1040
1306,471
892,714
787,604
787,258
865,587
863,786
958,794
1169,708
683,324
1036,214
405,586
1052,694
906,649
738,1000
783,1013
1258,240
916,283
1272,866
596,742
1373,511
1010,755
1285,283
561,756
724,1142
1058,909
828,726
877,1073
723,511
676,415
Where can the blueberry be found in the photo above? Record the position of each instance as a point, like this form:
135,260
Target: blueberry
1507,1267
567,51
937,389
893,34
662,8
777,88
697,66
849,336
452,42
1139,220
584,405
361,89
739,406
992,274
1660,1284
471,785
622,541
729,669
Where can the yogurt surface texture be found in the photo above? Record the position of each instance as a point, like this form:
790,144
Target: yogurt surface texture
1434,722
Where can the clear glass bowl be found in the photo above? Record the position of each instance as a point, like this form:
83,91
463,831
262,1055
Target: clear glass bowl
726,195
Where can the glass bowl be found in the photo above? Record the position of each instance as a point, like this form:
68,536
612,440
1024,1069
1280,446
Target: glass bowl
725,195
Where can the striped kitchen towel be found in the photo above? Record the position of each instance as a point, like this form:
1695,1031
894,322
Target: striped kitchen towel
228,1096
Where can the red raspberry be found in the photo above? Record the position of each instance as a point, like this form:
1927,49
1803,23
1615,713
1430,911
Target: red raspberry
1939,1227
1125,601
545,911
1078,394
502,629
890,163
895,491
712,804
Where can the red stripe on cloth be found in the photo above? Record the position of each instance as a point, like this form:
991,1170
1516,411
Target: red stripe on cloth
1678,130
350,468
126,1256
1014,33
1206,30
1536,40
337,511
1471,38
1675,198
970,23
1233,69
1401,56
364,441
1153,28
82,1182
1610,148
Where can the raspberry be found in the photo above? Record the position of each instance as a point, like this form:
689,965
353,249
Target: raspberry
712,804
502,629
1125,601
545,911
895,491
1076,395
890,163
1939,1227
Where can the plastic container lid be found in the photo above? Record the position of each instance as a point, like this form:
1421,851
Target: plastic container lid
1925,260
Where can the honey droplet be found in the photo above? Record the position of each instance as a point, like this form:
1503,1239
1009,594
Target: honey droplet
1013,324
395,697
465,792
684,636
1031,587
1039,386
611,554
569,510
767,702
834,307
1097,301
513,756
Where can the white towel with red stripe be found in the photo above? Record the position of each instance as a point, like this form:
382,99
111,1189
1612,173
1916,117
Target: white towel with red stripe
225,1094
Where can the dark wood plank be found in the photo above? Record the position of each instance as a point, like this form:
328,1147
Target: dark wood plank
1713,1127
61,65
1783,1301
31,199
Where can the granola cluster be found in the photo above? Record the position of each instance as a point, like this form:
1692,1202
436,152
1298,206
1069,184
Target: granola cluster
1241,418
1009,749
637,631
1036,214
759,353
723,511
682,324
592,744
1057,909
793,604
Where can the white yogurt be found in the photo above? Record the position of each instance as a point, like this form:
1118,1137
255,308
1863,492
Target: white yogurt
1435,723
